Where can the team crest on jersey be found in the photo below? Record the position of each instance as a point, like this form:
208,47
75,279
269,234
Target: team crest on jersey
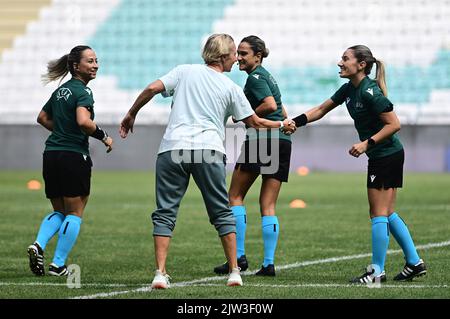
88,90
370,91
63,93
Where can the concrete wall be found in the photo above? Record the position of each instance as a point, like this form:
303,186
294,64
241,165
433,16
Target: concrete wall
319,147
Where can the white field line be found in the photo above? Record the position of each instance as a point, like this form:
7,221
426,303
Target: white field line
147,288
414,286
310,285
65,284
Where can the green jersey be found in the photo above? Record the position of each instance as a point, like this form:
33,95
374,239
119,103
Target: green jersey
365,103
62,109
261,84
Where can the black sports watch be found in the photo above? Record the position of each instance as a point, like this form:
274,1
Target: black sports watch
371,142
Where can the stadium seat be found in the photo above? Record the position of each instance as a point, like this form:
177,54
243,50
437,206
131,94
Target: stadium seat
139,40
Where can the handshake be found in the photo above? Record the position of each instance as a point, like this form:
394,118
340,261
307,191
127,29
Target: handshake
290,125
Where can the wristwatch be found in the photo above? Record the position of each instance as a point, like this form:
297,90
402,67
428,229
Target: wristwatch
371,142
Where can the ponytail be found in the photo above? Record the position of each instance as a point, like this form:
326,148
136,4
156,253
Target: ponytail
56,69
363,53
381,77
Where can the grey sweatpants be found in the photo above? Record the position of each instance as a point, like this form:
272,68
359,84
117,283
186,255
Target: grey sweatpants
173,171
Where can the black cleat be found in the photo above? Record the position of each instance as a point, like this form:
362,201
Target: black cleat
224,268
266,271
369,278
411,271
54,270
36,256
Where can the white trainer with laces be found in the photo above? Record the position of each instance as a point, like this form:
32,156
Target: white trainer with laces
161,281
234,279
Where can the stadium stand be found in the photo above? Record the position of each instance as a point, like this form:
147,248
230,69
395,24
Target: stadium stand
138,40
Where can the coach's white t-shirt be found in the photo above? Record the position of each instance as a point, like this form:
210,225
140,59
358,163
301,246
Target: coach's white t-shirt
203,99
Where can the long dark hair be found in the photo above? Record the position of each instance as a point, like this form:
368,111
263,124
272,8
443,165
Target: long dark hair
363,53
59,68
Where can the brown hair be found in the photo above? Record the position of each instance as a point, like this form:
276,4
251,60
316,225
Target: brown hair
59,68
363,53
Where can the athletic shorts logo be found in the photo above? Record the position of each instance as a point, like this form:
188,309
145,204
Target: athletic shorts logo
372,178
63,93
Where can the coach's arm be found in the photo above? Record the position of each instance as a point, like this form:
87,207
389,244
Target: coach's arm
146,95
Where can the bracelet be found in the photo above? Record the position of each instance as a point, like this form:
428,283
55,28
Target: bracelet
300,120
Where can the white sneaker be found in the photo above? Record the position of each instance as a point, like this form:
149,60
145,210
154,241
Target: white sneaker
161,281
234,279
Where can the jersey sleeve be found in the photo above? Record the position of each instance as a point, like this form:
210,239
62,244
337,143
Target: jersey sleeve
339,96
376,101
47,108
258,87
240,107
86,100
170,80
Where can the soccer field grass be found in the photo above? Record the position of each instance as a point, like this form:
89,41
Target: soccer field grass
320,247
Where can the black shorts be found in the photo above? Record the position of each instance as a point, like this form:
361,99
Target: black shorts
270,161
386,172
66,174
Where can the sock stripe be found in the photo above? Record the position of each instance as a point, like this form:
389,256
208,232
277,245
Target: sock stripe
274,228
65,228
50,217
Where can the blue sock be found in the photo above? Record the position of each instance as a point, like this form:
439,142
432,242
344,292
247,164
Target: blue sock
270,231
380,240
68,234
49,227
401,234
241,226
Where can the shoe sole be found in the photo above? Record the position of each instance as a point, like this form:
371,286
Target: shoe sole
59,274
357,282
420,274
265,275
159,286
34,265
234,284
